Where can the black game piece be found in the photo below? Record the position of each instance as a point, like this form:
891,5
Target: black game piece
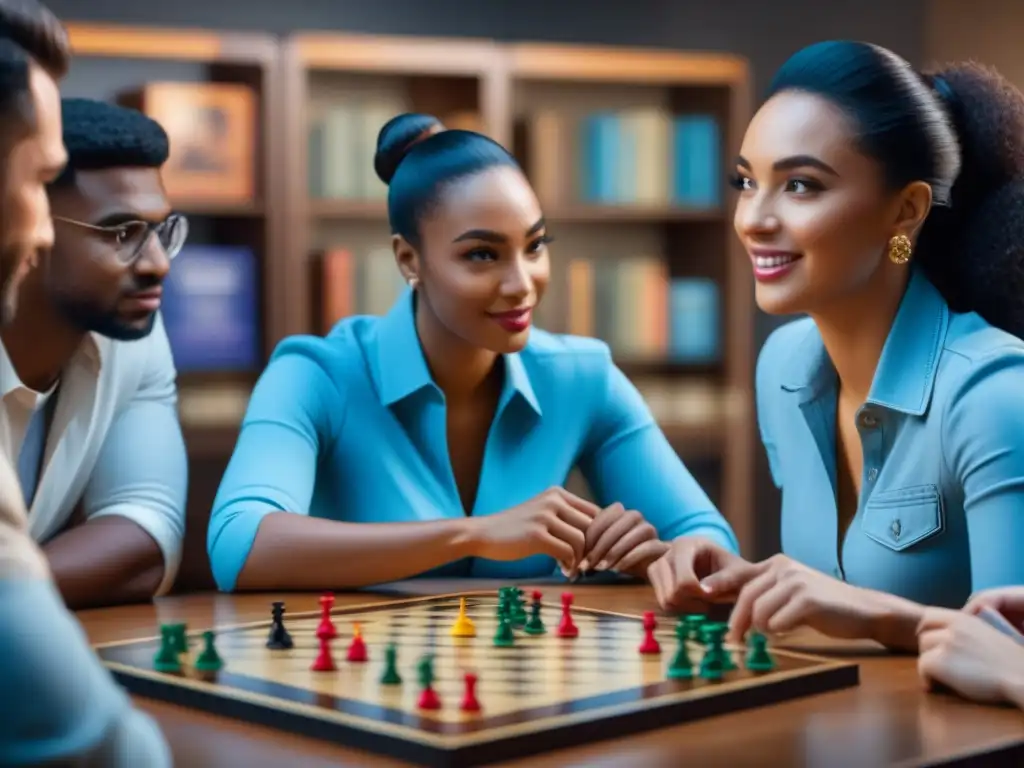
279,638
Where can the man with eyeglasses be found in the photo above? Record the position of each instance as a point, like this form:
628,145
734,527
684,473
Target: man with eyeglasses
89,392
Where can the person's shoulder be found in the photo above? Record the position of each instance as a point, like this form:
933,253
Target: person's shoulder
981,364
972,340
341,352
784,347
567,360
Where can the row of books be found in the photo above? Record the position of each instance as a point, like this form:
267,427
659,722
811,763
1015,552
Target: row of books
211,305
343,142
644,156
633,304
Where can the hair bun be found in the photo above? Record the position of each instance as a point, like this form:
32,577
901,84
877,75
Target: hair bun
397,137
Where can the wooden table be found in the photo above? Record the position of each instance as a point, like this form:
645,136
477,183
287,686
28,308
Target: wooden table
887,720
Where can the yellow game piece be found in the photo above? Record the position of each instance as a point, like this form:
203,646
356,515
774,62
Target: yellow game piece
463,626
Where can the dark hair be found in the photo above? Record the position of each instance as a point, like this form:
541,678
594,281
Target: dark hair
33,27
960,129
417,157
99,135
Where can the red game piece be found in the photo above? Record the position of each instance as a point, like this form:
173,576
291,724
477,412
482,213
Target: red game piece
565,627
469,700
429,699
326,625
650,643
324,662
357,650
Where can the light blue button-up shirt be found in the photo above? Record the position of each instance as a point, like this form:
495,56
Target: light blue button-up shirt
941,509
352,427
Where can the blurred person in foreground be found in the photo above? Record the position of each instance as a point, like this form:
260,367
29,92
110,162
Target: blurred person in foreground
60,706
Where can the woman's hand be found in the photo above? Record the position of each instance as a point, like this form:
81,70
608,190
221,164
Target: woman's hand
553,523
960,651
1008,601
678,575
781,595
620,539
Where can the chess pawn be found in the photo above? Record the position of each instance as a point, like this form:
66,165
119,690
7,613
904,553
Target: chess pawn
566,627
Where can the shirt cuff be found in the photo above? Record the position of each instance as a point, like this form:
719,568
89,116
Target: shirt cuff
165,533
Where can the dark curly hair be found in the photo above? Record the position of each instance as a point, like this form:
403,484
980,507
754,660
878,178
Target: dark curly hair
99,135
961,129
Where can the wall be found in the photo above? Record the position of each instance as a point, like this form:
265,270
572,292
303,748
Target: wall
765,32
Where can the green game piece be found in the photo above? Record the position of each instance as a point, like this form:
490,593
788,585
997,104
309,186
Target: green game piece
681,667
425,671
715,661
535,625
694,622
504,637
503,603
518,605
391,676
209,660
166,659
758,659
180,635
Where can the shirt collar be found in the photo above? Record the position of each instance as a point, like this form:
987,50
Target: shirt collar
89,355
905,377
402,368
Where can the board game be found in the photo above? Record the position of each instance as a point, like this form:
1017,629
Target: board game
466,679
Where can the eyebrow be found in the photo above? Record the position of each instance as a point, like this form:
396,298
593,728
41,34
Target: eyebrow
490,236
793,162
117,218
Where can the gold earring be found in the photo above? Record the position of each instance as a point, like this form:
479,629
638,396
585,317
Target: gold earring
899,249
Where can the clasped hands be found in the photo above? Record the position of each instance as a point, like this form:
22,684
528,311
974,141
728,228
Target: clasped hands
580,535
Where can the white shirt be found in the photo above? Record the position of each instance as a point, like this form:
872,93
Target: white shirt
114,444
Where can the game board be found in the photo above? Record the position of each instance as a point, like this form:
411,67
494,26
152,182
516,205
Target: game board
545,692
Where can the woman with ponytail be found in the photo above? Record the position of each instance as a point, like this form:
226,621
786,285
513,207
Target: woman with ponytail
888,207
438,438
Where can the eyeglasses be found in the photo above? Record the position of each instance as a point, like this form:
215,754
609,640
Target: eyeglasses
128,239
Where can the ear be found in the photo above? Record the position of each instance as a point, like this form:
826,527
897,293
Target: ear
915,203
407,258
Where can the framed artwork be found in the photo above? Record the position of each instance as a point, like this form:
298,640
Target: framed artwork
211,127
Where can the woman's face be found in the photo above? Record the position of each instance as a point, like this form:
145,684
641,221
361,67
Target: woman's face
483,263
813,212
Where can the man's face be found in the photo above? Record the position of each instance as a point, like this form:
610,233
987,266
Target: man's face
35,158
107,267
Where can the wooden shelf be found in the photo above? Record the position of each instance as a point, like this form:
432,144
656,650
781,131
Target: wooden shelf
583,63
299,73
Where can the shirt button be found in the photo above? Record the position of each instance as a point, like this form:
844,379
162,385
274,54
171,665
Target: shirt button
872,474
868,420
896,529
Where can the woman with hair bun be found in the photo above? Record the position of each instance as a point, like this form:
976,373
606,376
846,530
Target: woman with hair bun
888,206
437,439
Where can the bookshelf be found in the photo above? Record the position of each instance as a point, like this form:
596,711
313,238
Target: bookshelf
111,61
540,100
316,206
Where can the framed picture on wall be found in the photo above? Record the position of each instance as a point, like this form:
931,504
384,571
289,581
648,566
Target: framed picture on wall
211,127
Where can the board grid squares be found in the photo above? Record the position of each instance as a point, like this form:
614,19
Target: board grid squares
543,693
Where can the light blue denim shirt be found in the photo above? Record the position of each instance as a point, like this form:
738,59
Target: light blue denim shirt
352,427
941,510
